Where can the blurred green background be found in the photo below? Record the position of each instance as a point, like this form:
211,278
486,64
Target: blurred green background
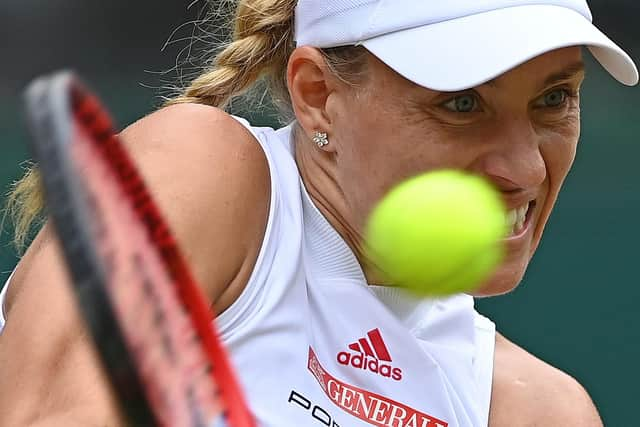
577,305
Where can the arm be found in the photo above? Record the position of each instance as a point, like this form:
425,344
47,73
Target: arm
527,392
211,180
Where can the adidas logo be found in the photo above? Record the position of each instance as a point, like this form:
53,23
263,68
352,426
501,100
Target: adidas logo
371,355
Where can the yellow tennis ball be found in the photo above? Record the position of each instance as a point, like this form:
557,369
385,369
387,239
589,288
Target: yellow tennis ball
438,234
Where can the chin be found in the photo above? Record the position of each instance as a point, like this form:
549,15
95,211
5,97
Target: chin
504,280
511,272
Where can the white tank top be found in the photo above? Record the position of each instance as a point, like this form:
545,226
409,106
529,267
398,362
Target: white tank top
314,345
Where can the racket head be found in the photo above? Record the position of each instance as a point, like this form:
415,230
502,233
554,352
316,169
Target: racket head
119,249
48,103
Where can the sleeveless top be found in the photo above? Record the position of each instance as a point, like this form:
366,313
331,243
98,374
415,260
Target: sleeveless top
314,345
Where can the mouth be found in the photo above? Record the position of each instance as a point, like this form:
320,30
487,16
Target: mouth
518,220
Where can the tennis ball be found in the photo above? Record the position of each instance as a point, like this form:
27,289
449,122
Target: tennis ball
438,234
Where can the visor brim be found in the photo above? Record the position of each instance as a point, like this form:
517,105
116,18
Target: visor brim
466,52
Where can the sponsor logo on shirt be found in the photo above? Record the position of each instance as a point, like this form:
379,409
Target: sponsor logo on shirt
318,414
370,353
372,408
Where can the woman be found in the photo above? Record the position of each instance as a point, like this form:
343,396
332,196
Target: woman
271,221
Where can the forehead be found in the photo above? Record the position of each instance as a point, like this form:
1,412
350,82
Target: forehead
561,64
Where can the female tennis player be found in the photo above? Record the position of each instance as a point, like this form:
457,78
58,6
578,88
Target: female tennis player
375,91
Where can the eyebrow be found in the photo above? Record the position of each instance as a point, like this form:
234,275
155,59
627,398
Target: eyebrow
567,73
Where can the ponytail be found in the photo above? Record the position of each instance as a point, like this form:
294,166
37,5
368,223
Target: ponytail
261,44
260,48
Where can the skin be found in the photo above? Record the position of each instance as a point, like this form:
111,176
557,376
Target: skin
381,132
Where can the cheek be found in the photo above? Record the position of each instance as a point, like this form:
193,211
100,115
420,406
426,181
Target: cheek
559,154
372,156
366,166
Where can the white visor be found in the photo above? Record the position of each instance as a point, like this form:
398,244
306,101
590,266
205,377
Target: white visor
468,51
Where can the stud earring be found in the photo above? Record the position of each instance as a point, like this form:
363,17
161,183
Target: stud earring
321,139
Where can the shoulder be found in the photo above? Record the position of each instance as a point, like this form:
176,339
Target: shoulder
211,178
528,391
197,133
200,153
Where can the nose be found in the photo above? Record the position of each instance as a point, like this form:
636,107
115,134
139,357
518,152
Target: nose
513,159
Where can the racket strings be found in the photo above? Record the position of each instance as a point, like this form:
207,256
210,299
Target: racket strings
212,363
98,124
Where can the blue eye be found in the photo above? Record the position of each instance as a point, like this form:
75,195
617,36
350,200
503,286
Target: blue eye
553,99
467,103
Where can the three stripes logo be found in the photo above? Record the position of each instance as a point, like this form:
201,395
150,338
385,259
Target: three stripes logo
371,354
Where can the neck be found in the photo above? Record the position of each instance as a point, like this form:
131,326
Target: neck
318,171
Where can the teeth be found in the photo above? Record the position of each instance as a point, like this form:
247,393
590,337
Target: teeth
515,219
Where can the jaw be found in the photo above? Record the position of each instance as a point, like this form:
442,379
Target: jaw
518,255
504,280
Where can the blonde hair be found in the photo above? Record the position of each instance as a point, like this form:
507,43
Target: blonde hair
261,42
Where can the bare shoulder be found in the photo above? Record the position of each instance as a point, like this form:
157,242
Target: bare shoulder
530,392
191,124
198,136
212,180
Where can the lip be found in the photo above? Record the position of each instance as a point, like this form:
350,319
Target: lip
527,224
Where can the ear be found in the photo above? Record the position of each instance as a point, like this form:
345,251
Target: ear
310,84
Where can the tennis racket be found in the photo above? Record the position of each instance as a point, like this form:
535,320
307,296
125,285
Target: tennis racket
148,318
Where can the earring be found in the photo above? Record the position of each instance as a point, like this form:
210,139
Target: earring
321,139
